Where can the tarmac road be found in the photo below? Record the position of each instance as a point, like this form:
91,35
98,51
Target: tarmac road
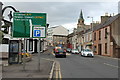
75,66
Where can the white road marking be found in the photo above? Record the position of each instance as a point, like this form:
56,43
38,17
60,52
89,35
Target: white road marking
111,65
51,72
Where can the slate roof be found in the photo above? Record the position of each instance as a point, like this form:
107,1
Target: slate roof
71,35
88,30
106,23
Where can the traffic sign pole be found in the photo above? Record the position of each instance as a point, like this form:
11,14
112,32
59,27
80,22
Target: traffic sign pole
24,56
39,54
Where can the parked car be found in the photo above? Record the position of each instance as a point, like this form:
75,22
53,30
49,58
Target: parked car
60,52
87,52
74,51
68,50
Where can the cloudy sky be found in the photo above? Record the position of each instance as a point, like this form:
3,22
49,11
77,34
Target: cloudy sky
66,13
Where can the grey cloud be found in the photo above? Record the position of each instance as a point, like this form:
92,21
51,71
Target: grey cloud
64,12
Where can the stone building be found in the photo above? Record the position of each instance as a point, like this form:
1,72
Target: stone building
60,40
53,32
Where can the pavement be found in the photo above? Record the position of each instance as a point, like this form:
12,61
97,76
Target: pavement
31,71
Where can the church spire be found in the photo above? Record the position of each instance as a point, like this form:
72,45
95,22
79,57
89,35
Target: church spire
81,19
81,16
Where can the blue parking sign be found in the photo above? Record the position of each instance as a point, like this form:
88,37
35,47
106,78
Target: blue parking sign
37,33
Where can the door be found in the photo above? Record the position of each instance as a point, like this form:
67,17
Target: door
99,49
35,42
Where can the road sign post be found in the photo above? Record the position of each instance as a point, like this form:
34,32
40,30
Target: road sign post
39,55
24,56
29,25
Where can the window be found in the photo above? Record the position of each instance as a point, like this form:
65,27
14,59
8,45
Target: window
99,35
105,33
5,41
95,49
14,47
105,48
95,36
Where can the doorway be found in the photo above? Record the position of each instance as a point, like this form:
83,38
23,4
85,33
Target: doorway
99,49
35,47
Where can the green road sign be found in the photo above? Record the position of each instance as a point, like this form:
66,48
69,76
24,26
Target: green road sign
24,25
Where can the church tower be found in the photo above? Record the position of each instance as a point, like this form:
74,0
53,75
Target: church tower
80,24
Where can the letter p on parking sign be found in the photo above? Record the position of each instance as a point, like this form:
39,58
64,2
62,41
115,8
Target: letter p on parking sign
37,33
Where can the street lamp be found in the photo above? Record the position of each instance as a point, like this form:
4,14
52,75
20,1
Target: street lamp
92,32
9,15
92,22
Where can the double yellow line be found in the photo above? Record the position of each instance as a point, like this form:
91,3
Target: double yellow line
58,71
55,71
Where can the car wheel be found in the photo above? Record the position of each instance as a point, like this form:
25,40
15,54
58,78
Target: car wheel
84,55
56,56
64,56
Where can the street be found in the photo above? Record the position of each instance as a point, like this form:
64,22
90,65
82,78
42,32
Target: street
34,36
75,66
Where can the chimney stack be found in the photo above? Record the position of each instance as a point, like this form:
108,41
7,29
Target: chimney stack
105,18
113,14
106,14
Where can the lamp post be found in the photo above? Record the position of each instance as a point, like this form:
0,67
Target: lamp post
92,33
0,14
1,34
9,15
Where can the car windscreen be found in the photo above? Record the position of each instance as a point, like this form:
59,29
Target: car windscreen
75,50
68,49
87,50
60,50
